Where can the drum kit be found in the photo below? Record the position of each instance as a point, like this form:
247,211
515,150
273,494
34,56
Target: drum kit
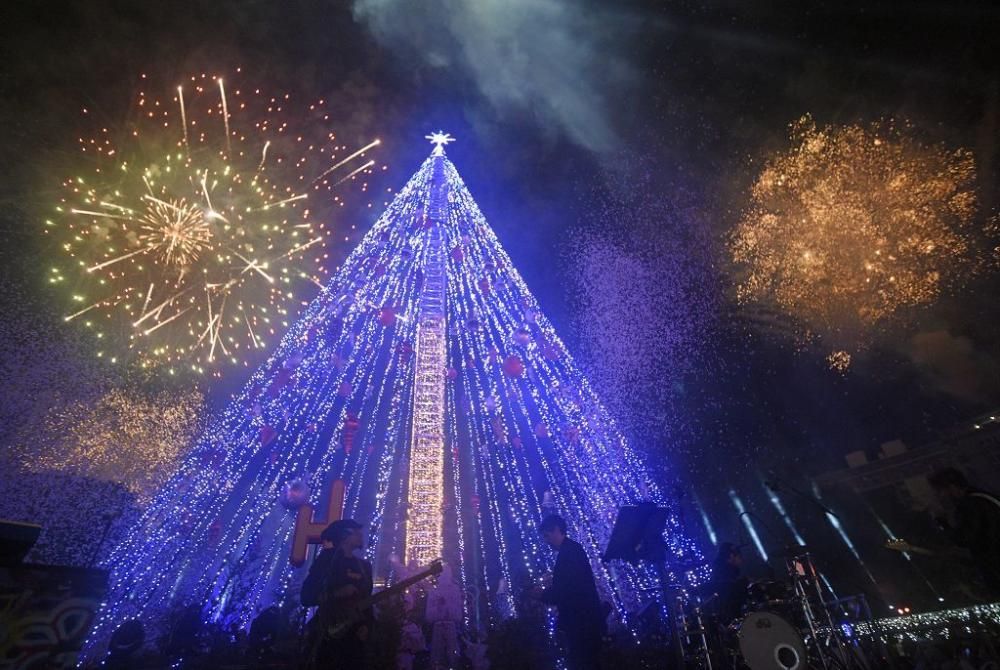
785,624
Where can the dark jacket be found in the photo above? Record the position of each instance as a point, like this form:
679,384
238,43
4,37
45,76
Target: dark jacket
977,528
574,592
330,572
730,587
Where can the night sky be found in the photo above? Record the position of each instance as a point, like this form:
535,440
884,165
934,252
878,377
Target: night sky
560,108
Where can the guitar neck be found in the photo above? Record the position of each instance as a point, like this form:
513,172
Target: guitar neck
944,553
400,586
342,623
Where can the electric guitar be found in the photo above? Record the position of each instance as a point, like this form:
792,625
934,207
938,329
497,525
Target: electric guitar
341,622
899,544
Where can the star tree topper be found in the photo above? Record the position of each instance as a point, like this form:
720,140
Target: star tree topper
439,139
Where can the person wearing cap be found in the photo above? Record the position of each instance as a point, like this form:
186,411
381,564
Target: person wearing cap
337,581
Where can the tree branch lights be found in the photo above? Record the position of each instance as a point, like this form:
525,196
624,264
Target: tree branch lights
427,378
425,493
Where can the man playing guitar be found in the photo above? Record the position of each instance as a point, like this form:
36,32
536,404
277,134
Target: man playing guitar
336,582
340,583
973,523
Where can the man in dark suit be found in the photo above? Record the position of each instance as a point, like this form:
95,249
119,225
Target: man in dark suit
574,594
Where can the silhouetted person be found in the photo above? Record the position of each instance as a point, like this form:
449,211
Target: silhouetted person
974,522
574,594
336,582
728,582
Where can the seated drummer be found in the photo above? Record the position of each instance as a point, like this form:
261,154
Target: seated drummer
728,582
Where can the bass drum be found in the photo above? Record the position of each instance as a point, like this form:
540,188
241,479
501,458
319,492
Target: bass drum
769,642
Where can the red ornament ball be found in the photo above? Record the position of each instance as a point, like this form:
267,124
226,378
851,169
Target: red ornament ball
522,336
295,495
215,532
513,367
387,316
267,435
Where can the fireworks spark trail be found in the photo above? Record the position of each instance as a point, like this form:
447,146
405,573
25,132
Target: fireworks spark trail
70,317
263,156
350,174
225,116
175,207
349,158
101,214
184,122
301,196
101,266
253,336
852,226
159,325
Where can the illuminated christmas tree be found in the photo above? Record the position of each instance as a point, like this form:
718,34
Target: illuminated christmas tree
425,376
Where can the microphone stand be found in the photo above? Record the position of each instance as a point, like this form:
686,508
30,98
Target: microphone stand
802,583
107,519
776,485
770,531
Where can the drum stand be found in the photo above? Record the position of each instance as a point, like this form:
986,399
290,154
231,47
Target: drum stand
823,632
690,638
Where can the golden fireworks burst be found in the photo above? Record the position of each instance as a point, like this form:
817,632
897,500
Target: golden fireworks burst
201,222
839,360
852,225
